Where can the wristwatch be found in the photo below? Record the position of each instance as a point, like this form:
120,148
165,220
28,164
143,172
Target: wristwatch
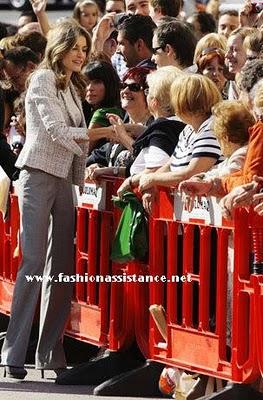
116,171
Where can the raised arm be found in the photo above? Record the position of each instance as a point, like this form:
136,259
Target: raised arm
39,8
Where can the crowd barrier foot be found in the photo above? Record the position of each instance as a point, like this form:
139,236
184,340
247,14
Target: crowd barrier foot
96,371
141,382
234,391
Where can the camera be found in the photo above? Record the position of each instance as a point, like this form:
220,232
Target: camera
257,7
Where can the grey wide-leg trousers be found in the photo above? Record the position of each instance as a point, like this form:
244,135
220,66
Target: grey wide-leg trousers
47,240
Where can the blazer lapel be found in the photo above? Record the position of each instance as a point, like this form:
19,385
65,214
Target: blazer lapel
77,102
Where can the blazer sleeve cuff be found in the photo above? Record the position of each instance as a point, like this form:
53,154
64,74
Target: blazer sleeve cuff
69,144
78,133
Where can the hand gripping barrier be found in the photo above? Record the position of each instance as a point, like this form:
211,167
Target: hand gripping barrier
199,312
100,312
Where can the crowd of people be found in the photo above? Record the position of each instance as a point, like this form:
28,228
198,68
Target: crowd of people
132,88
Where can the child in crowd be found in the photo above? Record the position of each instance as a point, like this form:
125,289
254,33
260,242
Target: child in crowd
86,12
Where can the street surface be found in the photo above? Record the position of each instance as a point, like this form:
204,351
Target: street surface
35,388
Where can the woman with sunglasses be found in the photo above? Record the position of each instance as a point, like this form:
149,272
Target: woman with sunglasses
153,148
211,63
112,158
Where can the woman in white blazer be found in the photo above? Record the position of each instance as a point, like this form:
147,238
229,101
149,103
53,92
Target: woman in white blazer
53,158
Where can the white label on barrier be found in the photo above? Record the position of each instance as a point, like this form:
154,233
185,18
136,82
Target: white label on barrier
93,196
206,210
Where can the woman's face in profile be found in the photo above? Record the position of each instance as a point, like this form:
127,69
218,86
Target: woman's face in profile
75,58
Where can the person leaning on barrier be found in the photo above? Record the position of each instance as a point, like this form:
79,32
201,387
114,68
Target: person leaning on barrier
155,145
114,157
231,123
192,97
52,159
230,186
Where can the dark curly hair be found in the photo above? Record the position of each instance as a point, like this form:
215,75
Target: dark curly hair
206,21
250,74
137,27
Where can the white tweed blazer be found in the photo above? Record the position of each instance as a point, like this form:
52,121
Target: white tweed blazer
51,130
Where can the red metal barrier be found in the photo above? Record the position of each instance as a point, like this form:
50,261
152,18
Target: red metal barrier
197,326
101,312
114,314
10,255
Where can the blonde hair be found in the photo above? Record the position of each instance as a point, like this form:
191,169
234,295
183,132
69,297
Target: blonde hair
160,82
8,42
61,39
83,3
193,94
232,120
208,41
243,32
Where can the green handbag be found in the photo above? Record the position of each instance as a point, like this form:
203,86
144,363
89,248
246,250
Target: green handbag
131,238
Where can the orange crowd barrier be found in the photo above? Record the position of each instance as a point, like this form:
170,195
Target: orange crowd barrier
207,263
201,337
100,310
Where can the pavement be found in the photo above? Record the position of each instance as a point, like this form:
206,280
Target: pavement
35,388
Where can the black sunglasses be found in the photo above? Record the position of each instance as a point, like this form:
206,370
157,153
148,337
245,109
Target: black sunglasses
155,49
133,87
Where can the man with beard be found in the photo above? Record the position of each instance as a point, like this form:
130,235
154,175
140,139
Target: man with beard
135,35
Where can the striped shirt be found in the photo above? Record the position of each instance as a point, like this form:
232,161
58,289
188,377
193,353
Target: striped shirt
191,144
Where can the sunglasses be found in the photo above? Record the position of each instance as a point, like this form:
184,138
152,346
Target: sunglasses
155,49
133,87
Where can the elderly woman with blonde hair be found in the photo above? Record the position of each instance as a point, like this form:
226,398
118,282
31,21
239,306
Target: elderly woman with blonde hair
154,146
192,97
52,159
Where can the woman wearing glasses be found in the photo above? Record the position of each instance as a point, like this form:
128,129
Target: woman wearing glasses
52,159
112,158
153,148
